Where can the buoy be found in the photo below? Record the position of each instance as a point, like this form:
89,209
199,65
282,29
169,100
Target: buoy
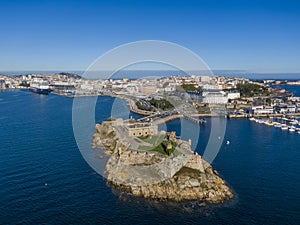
46,184
227,142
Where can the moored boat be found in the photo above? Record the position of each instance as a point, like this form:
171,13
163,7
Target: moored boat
260,121
40,87
292,130
278,125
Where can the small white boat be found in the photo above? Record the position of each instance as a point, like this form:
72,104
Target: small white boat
292,130
284,127
252,119
278,125
294,122
227,142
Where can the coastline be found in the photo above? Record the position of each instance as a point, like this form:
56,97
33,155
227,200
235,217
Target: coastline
135,110
183,176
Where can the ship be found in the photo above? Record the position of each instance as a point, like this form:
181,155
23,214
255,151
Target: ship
40,87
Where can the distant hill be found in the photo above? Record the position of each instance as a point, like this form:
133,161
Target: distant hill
71,75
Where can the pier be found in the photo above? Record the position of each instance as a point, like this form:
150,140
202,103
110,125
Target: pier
161,119
194,120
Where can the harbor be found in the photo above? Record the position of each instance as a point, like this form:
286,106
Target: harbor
285,124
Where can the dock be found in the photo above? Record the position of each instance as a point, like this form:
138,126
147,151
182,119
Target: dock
194,120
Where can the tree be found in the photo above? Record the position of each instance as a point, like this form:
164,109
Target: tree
250,90
190,87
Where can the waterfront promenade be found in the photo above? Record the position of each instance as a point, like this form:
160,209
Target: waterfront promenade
163,118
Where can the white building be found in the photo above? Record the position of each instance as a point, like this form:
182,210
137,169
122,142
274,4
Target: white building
132,88
233,95
214,97
262,109
205,79
286,109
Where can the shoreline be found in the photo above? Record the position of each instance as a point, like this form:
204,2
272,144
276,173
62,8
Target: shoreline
148,173
129,103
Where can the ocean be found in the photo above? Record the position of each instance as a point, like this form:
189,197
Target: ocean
45,180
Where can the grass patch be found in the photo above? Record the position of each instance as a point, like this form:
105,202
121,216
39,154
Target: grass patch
154,140
160,144
159,148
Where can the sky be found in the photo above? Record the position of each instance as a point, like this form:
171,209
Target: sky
260,36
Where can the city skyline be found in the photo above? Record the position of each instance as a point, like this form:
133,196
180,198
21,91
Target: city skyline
255,36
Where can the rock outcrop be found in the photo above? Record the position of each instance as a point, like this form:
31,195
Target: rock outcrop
152,175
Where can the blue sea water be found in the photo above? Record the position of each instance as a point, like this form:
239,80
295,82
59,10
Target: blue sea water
45,180
293,89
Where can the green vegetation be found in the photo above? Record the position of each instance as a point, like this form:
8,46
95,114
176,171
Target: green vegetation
159,148
154,140
143,107
154,103
251,90
190,87
161,104
161,144
166,143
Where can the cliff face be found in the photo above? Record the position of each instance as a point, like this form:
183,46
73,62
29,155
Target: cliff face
186,185
151,175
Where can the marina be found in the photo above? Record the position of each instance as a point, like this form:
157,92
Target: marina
292,125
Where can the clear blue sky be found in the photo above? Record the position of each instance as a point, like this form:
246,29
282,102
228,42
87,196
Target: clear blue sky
261,36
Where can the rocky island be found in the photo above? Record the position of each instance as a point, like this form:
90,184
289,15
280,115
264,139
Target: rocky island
156,164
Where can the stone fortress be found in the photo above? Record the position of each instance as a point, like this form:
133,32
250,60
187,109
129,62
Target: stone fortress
136,164
137,129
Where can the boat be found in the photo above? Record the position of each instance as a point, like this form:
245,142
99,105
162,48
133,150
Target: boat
260,121
269,123
292,129
252,119
294,122
278,125
284,127
40,87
